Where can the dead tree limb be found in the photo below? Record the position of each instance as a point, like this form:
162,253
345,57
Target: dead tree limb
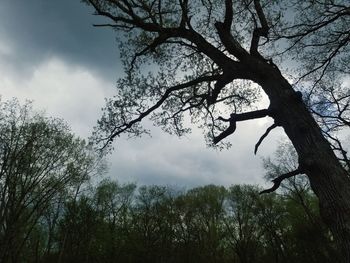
264,136
239,117
277,181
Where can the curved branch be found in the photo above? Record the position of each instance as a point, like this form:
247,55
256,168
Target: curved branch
231,129
120,129
277,181
312,28
239,117
126,17
160,39
264,136
224,31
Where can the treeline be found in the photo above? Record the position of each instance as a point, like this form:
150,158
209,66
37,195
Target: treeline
51,212
122,223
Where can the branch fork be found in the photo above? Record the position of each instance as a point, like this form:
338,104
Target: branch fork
234,118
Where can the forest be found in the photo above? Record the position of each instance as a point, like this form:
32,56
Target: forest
209,64
57,206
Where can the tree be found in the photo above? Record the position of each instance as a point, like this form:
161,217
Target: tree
204,221
317,35
79,228
205,58
151,224
39,159
111,223
113,202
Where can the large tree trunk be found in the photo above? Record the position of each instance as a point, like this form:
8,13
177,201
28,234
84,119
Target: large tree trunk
328,179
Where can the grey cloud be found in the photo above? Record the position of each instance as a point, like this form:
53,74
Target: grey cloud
41,28
165,159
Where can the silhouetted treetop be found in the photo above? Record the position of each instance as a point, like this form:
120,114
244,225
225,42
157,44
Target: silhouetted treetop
208,61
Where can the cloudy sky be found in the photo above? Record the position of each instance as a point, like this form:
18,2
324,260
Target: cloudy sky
50,53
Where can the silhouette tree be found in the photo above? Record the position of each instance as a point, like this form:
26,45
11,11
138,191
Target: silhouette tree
318,37
210,59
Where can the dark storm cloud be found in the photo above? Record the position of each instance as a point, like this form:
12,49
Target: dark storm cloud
39,29
51,53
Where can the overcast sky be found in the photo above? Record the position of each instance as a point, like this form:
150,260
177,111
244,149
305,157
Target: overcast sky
50,53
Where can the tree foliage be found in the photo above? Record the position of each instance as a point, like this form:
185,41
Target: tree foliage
49,215
40,160
204,224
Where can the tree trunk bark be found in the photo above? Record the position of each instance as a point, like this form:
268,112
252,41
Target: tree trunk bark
328,179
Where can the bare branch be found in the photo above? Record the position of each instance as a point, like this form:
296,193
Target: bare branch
224,30
239,117
162,38
231,129
264,136
339,147
259,31
312,28
228,15
277,181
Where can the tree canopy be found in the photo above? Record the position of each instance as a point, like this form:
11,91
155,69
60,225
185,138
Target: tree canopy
51,210
208,61
40,161
174,57
203,224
